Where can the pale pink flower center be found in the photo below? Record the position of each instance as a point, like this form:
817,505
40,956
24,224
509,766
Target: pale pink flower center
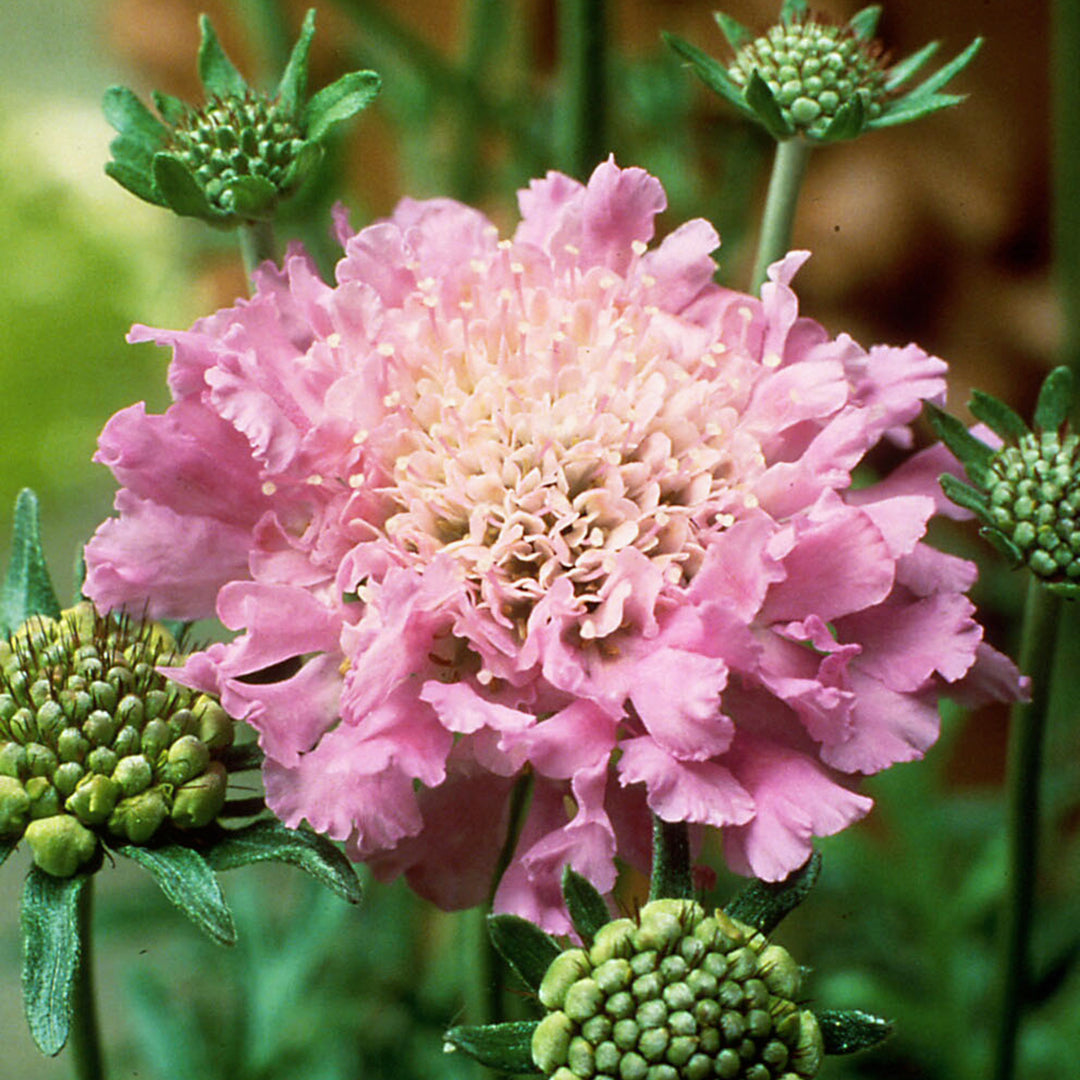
538,436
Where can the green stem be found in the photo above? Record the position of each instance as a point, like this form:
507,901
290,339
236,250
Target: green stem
257,244
581,131
780,203
671,876
84,1040
1028,723
486,23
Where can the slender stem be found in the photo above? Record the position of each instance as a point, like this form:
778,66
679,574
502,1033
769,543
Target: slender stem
671,861
780,203
486,23
84,1040
257,244
581,131
1028,723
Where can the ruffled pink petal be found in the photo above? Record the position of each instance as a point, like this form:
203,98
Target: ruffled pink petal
461,709
794,800
575,738
695,791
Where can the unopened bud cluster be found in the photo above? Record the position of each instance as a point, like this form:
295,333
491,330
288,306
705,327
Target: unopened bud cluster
236,137
1034,494
676,995
813,69
93,738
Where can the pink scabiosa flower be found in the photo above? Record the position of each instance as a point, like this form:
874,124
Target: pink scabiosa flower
558,505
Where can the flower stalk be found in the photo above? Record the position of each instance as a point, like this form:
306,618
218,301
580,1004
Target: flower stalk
1038,649
581,135
781,202
85,1036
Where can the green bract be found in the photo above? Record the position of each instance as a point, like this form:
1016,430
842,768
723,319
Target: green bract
819,80
231,161
672,994
1027,492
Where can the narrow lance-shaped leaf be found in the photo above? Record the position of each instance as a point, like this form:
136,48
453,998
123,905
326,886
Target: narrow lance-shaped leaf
998,540
525,947
844,1031
848,123
864,23
949,70
216,70
52,932
760,98
762,904
737,35
585,905
179,189
712,73
1055,400
339,101
271,841
505,1047
973,454
964,494
293,84
900,72
997,416
27,589
187,880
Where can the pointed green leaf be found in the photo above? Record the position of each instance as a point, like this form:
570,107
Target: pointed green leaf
128,115
911,108
760,98
271,841
997,416
972,453
187,880
864,23
762,904
134,181
7,846
339,101
180,190
737,35
964,495
173,110
710,71
951,69
900,72
302,166
133,156
793,11
1055,400
849,121
293,85
53,946
525,947
585,905
27,588
250,197
505,1047
1002,544
216,70
846,1030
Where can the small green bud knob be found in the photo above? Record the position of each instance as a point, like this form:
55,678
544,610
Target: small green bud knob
137,818
199,801
14,806
60,844
93,799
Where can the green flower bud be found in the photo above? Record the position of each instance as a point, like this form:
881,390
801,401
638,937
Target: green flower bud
60,844
90,730
14,807
199,801
93,799
137,818
700,997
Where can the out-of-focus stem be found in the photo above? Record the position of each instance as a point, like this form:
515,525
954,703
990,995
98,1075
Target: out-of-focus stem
780,203
257,244
84,1040
1028,724
581,131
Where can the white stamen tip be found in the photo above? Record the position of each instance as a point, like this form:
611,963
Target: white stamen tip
269,488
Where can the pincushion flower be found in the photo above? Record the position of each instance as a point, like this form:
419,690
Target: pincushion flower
555,505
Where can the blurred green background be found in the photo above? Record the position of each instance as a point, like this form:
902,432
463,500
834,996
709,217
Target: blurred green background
937,233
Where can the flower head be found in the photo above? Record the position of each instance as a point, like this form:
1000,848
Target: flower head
554,505
820,80
232,160
94,740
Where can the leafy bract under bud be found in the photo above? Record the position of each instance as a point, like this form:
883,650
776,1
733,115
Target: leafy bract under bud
819,80
676,995
1027,491
233,160
95,742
